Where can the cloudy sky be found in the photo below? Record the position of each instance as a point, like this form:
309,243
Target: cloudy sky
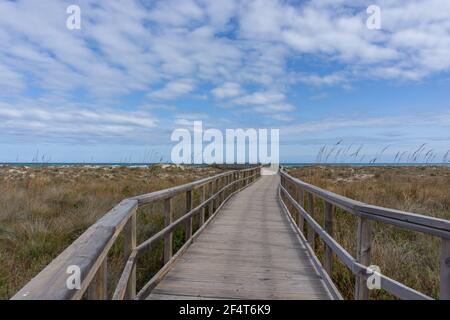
136,70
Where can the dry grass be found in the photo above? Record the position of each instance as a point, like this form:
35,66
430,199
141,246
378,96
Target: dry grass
44,209
409,257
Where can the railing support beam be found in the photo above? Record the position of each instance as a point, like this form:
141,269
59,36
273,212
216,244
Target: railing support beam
299,199
311,233
98,288
129,246
168,239
445,269
202,199
328,258
363,252
188,233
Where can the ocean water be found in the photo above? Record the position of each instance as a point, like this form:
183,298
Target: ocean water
287,164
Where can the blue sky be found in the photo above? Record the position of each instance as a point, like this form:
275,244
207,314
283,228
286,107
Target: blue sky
116,89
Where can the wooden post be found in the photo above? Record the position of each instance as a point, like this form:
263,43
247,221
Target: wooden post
211,203
328,258
188,233
202,199
98,288
168,238
129,234
445,269
241,182
364,245
222,194
218,193
311,233
216,199
300,219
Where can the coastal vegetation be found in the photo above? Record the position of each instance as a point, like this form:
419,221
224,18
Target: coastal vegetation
45,208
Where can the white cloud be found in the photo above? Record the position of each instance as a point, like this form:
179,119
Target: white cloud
174,89
172,48
264,97
425,120
319,80
10,81
29,119
227,90
274,108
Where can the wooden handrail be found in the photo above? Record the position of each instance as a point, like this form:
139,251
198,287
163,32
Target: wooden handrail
365,213
431,225
89,252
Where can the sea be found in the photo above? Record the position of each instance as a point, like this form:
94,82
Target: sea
287,164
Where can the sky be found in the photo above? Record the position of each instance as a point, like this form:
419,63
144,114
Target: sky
114,90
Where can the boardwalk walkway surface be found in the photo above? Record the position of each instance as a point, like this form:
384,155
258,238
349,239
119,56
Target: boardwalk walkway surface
249,251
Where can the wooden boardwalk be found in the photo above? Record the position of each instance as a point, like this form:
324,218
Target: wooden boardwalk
249,251
249,247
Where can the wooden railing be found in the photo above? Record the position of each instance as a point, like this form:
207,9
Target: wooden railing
295,192
89,253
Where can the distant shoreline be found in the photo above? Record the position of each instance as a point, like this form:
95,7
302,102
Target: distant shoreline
287,164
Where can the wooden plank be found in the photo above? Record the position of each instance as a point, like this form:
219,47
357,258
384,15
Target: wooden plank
244,273
264,286
156,296
232,293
